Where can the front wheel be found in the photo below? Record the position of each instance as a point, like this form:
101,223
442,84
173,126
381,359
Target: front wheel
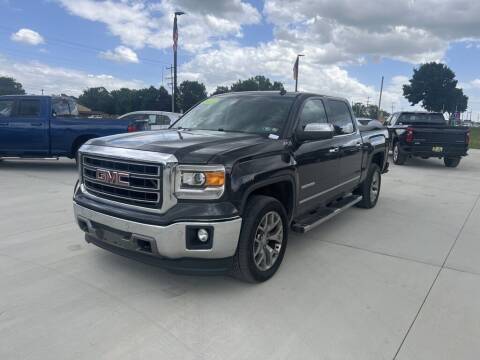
263,240
451,162
399,157
370,188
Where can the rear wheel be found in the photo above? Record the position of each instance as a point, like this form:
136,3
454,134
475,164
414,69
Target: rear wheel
263,240
399,157
451,162
370,188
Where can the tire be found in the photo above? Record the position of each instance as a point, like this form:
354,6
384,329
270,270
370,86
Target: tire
399,157
370,188
451,162
251,267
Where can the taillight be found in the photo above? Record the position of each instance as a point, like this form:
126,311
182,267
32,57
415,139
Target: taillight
468,137
409,135
132,128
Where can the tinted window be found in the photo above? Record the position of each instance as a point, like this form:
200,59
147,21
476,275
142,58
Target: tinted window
416,118
313,112
258,114
339,116
163,120
60,107
6,107
29,108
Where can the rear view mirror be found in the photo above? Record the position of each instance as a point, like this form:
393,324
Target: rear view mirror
315,131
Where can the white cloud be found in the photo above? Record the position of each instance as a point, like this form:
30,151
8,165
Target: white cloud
27,36
139,24
56,80
121,54
347,30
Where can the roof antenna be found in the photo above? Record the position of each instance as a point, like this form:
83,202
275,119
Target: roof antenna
283,91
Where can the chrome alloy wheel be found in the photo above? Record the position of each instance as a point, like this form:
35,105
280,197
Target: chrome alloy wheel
395,152
375,186
268,241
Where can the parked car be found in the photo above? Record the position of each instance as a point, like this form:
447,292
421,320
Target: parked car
49,126
157,120
426,134
220,190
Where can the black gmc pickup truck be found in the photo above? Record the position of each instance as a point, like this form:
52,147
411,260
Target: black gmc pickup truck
220,190
426,135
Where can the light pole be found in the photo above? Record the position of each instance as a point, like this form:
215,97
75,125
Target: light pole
175,45
295,71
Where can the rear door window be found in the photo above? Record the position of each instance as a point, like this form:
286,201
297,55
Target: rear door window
60,107
6,107
29,108
340,117
163,120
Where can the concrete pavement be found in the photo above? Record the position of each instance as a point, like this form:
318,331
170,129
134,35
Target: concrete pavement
399,281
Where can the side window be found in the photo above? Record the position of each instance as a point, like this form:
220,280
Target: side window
393,119
6,108
313,112
30,108
163,120
73,107
339,115
60,107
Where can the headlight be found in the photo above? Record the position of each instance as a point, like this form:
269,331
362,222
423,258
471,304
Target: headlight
199,182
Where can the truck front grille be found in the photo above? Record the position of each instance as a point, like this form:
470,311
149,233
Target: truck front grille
123,181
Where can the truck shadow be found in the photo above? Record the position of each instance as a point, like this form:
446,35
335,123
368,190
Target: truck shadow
63,165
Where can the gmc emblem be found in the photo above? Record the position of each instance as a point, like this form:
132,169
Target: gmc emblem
113,177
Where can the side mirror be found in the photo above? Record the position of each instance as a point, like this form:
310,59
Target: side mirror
315,131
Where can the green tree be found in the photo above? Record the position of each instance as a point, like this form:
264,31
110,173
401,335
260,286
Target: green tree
257,83
370,111
98,99
9,86
434,85
190,93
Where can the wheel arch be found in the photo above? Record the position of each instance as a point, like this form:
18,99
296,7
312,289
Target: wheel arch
281,188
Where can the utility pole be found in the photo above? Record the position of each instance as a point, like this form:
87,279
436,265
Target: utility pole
42,91
392,107
175,46
380,101
170,83
295,71
368,100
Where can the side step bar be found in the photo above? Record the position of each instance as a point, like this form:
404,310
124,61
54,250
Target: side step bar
311,221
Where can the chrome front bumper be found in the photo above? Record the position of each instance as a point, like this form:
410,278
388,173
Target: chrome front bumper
167,241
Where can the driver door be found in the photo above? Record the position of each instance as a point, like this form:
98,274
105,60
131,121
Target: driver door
317,160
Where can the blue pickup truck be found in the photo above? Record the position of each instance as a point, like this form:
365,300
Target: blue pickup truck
49,126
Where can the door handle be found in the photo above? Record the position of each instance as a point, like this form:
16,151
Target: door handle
333,150
358,144
36,124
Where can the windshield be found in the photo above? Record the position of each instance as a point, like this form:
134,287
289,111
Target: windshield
264,115
414,118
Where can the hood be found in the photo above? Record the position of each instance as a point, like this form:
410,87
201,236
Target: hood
189,146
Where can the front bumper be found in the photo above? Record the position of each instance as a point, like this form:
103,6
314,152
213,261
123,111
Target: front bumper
167,246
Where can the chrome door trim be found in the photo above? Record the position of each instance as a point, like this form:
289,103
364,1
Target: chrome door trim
328,190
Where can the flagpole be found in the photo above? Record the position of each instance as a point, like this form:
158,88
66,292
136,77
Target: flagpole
175,45
295,71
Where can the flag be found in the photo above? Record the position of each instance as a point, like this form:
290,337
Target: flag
175,34
295,69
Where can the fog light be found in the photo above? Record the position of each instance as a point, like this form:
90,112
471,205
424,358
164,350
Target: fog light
202,235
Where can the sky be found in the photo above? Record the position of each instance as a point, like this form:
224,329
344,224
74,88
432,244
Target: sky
66,46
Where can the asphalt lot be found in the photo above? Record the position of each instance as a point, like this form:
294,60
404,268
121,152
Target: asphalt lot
398,281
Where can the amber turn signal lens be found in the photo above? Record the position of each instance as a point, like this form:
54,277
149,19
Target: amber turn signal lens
215,178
